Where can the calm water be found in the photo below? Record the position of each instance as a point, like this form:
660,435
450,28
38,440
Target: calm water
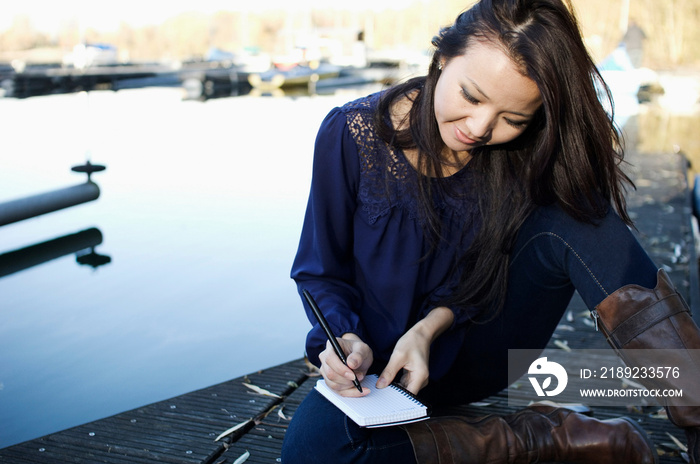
200,213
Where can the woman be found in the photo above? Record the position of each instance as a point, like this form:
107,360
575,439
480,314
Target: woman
450,219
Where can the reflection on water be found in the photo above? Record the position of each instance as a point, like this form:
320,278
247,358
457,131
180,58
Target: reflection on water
34,255
187,249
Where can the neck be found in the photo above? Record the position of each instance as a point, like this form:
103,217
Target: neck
454,161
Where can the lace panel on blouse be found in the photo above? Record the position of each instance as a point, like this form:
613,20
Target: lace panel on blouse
387,179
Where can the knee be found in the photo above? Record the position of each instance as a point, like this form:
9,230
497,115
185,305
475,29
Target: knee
315,433
309,444
297,447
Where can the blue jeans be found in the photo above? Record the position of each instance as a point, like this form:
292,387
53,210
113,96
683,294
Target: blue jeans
554,255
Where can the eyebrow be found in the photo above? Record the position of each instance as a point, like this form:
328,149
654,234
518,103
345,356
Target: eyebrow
476,86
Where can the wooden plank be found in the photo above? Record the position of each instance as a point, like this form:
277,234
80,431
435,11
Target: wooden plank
264,442
178,430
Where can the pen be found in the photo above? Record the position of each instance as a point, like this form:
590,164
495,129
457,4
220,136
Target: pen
329,334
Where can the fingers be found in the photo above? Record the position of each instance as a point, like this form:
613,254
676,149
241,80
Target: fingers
347,389
414,382
355,360
341,384
388,375
334,365
340,377
414,364
359,354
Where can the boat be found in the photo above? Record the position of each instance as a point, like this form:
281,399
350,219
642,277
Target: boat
298,75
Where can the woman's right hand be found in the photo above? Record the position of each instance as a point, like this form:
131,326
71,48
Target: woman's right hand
338,376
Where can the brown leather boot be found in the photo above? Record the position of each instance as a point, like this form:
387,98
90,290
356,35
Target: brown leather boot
535,434
635,318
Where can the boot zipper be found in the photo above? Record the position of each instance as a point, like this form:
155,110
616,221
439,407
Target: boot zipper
606,332
595,316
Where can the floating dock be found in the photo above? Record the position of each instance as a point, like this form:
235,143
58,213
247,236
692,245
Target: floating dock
249,415
209,79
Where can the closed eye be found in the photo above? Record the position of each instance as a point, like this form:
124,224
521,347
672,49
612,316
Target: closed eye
467,96
517,124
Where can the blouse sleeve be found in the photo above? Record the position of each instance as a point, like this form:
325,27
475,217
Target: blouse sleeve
324,263
463,314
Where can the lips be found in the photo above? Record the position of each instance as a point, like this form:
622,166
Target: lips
463,138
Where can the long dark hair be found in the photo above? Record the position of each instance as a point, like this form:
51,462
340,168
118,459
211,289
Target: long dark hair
570,154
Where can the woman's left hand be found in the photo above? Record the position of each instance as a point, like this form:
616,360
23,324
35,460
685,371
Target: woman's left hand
412,351
411,354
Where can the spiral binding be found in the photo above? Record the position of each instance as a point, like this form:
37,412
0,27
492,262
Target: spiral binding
408,394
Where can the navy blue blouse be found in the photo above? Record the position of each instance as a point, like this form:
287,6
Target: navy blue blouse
364,254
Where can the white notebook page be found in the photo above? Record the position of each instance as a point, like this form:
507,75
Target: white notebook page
385,406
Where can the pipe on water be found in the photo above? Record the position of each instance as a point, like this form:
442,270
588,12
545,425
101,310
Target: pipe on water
35,205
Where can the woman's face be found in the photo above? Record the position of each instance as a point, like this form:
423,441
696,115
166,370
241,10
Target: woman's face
482,99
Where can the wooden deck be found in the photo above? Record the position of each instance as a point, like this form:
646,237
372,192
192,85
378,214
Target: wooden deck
184,429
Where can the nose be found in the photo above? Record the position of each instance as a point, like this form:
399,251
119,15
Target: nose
479,125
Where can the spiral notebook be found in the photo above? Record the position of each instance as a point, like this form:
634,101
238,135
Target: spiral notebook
382,407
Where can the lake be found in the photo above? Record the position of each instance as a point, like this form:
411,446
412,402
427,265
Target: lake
200,212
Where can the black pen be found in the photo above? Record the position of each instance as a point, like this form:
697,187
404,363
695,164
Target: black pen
329,333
